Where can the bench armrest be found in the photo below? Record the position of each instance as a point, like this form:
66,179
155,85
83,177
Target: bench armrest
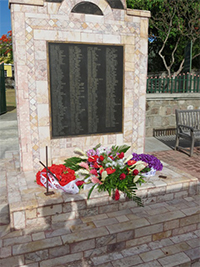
185,126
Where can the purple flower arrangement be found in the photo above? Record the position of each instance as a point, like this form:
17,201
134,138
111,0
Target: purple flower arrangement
152,161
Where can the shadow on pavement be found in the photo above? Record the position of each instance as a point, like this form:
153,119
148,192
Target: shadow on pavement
184,145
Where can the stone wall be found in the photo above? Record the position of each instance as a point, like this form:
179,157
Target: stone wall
34,24
160,109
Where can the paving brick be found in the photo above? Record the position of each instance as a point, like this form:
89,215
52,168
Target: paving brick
197,232
19,219
157,228
105,240
57,232
122,218
124,226
127,262
151,255
171,225
191,210
59,251
96,217
165,197
36,256
88,212
154,263
88,234
105,222
124,236
61,260
119,213
12,261
138,241
39,222
30,214
174,260
116,246
82,246
194,253
166,217
160,244
185,229
106,258
173,249
162,235
135,250
183,237
82,227
174,187
49,210
157,211
63,217
36,245
16,240
190,220
38,236
5,252
95,252
194,242
108,208
181,194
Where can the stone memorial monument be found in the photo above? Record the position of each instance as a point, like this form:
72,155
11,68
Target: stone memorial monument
80,75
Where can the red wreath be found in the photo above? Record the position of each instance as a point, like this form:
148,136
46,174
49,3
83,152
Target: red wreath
63,174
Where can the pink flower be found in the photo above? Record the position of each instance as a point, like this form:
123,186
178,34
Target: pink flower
95,180
84,165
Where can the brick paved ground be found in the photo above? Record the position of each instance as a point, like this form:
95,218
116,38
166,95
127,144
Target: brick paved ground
160,234
182,160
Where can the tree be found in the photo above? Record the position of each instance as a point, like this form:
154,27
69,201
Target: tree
6,54
172,25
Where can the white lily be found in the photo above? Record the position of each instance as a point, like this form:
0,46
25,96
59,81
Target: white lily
129,158
104,175
83,157
136,178
82,171
79,151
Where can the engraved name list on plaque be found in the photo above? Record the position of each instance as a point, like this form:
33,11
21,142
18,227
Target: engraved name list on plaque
86,89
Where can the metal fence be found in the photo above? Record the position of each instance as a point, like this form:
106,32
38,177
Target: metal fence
183,83
2,90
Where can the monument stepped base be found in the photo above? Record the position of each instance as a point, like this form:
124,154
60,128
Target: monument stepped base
69,230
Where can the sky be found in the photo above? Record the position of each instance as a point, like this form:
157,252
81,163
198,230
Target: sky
5,22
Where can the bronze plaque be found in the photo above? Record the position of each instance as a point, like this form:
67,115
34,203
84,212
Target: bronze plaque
86,89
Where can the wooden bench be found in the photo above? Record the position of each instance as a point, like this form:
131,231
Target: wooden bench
187,126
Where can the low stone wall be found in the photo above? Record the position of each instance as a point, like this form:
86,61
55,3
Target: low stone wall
160,109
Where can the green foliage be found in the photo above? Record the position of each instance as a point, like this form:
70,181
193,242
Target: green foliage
120,149
72,163
172,25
